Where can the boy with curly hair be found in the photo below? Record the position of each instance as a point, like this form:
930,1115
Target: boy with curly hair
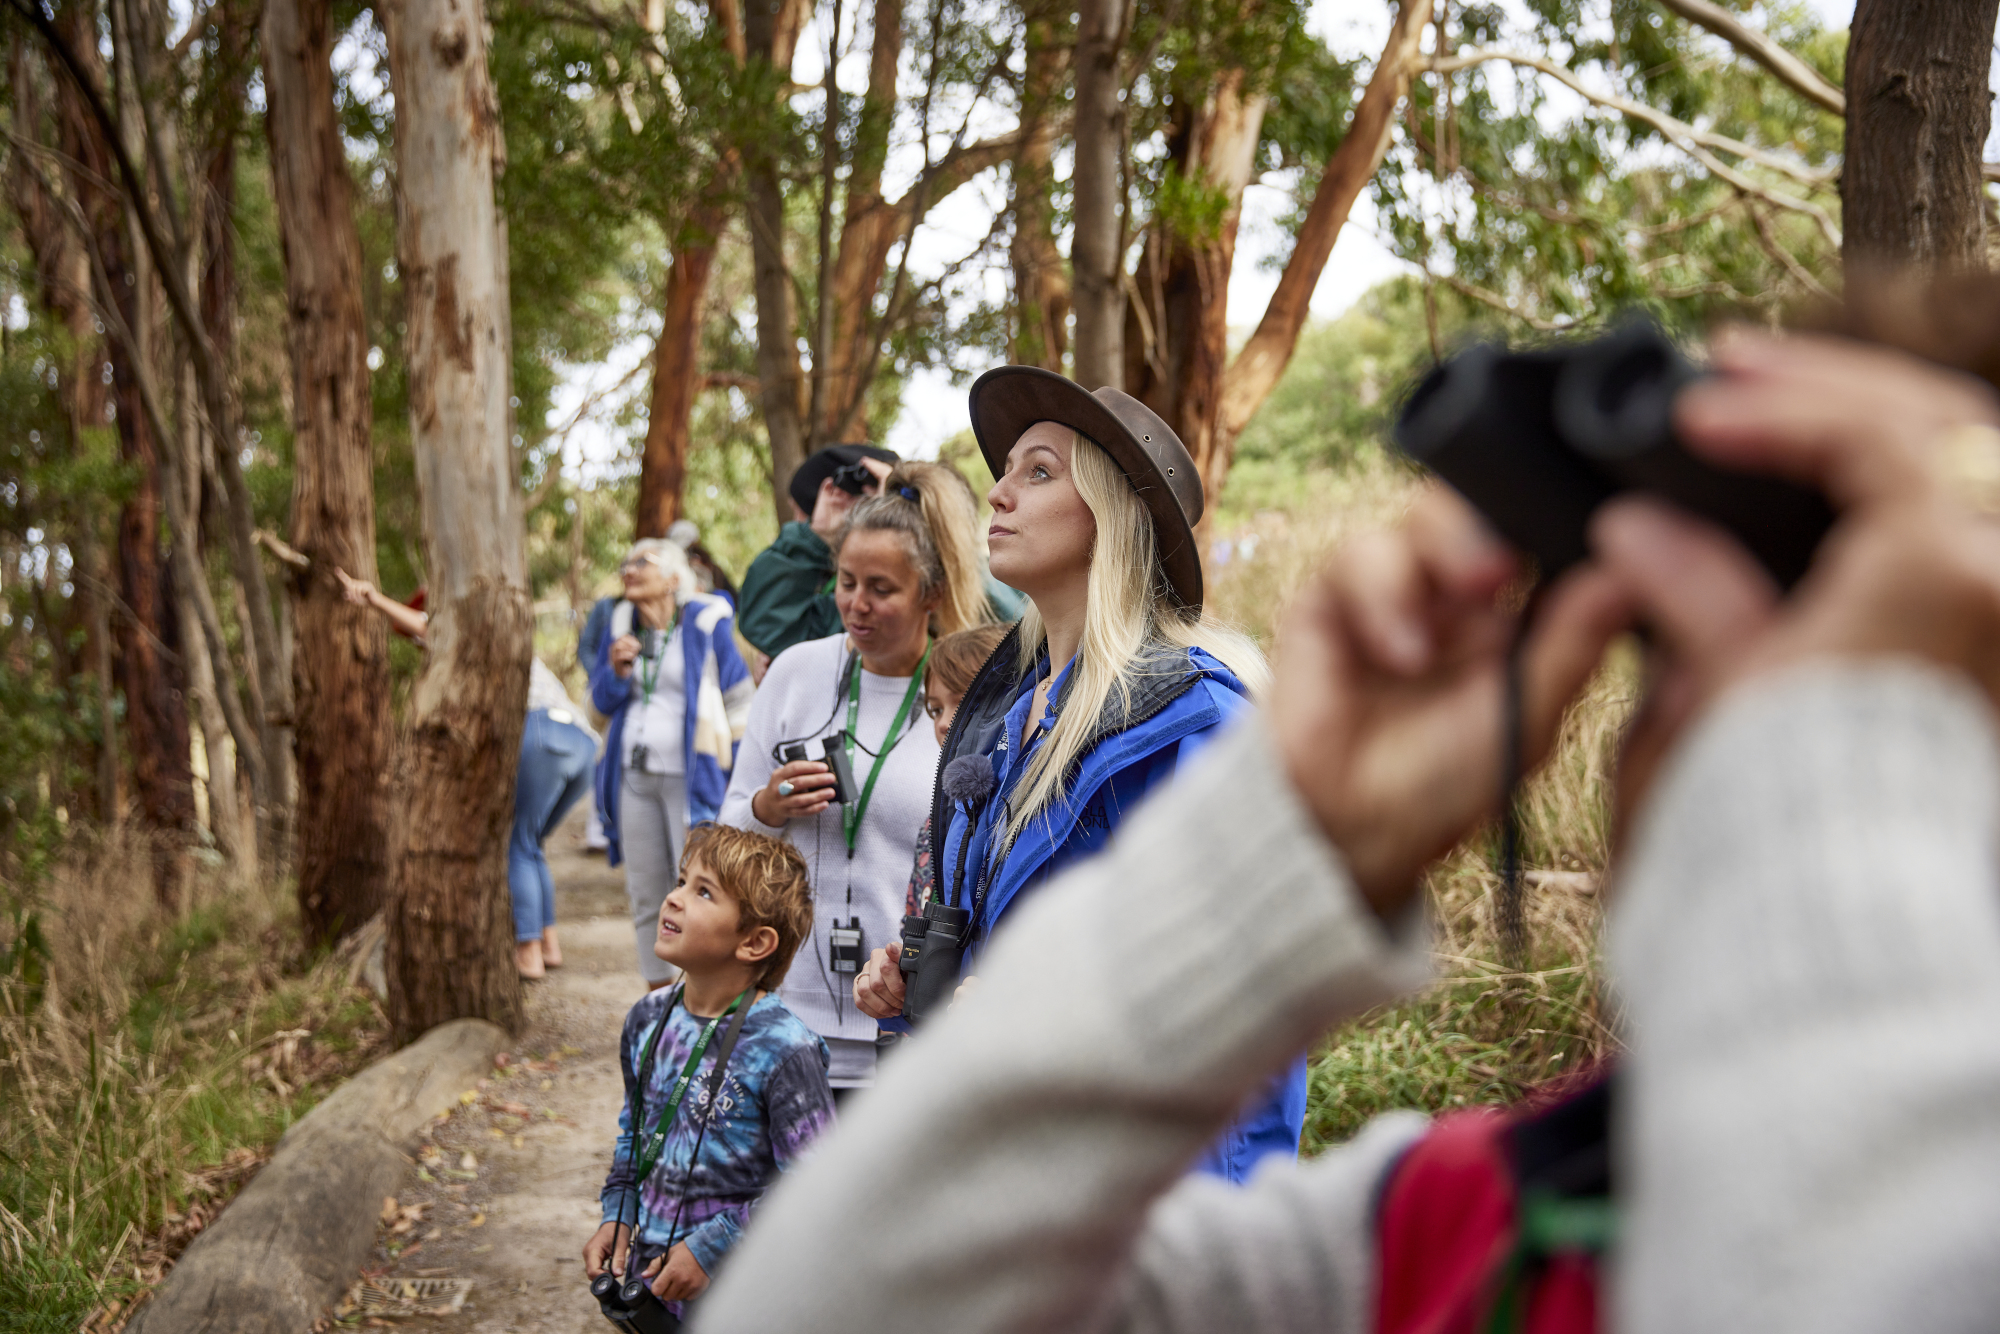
731,925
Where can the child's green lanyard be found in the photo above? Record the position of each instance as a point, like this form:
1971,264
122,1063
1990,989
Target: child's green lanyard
647,680
656,1141
860,807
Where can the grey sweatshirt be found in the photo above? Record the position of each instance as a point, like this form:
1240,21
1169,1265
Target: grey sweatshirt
1808,944
800,699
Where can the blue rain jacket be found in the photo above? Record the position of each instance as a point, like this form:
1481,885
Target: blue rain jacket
1180,702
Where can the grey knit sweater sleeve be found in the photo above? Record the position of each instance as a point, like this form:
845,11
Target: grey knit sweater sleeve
1000,1174
1808,945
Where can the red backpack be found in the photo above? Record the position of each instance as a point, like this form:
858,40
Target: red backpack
1496,1220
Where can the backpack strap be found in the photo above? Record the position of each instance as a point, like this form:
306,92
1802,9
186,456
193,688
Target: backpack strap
1495,1221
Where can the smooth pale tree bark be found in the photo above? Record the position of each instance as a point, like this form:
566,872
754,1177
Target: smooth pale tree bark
1096,261
771,35
1918,110
450,950
677,375
1041,281
340,663
1177,330
1264,356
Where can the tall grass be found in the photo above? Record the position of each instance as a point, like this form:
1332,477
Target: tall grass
147,1064
1486,1030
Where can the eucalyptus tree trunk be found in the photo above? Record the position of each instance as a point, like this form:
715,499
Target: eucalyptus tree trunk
450,950
1096,256
148,633
1918,109
771,34
1041,281
340,666
1177,329
677,373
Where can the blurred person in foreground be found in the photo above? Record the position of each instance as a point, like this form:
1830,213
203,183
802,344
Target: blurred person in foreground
1806,937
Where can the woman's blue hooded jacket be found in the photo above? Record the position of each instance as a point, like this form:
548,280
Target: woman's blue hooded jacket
1180,702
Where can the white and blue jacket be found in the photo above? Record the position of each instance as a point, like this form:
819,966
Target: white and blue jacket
718,688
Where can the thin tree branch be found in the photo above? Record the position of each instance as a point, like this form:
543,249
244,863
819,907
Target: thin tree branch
1501,304
283,550
1679,131
1793,72
1790,262
1696,143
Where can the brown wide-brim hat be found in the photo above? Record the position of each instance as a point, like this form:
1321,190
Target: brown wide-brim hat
1007,400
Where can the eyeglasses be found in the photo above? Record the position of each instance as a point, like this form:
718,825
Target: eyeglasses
632,563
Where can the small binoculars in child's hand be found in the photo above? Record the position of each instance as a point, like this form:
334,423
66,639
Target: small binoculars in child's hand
629,1304
1537,440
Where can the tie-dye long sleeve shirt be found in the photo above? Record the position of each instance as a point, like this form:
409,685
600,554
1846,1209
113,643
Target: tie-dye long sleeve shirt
774,1101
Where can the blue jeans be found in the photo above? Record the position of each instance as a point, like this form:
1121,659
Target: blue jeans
554,775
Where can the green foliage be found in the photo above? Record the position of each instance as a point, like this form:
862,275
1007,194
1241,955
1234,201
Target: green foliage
1556,213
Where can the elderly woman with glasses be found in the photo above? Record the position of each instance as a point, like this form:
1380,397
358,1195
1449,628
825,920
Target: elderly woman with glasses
669,678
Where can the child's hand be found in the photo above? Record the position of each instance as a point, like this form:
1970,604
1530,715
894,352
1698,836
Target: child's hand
598,1251
677,1275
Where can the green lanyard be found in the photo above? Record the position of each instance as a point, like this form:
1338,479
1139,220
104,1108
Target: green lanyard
656,1141
859,808
647,680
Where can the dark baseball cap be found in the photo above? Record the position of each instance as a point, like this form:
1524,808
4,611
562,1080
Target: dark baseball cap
804,486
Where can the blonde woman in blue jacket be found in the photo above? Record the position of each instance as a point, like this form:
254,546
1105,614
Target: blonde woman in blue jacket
1113,678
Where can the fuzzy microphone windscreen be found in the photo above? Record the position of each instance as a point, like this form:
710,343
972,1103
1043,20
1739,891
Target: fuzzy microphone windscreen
969,778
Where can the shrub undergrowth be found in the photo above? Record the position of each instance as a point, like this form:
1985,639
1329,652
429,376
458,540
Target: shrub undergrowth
1487,1029
146,1068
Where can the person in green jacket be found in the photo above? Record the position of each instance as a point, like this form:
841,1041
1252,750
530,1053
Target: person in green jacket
787,592
787,595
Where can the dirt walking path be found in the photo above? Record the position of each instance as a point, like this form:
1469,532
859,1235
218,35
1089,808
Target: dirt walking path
504,1192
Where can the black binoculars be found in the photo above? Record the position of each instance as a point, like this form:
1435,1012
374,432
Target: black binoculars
1537,440
833,753
933,946
630,1305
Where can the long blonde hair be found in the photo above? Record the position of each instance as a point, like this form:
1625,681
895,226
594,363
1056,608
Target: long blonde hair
1127,603
939,531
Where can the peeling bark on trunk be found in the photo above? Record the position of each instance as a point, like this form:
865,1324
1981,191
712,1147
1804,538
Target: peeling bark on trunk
1041,282
340,669
1918,110
450,951
677,375
771,33
1263,358
1098,265
1177,333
